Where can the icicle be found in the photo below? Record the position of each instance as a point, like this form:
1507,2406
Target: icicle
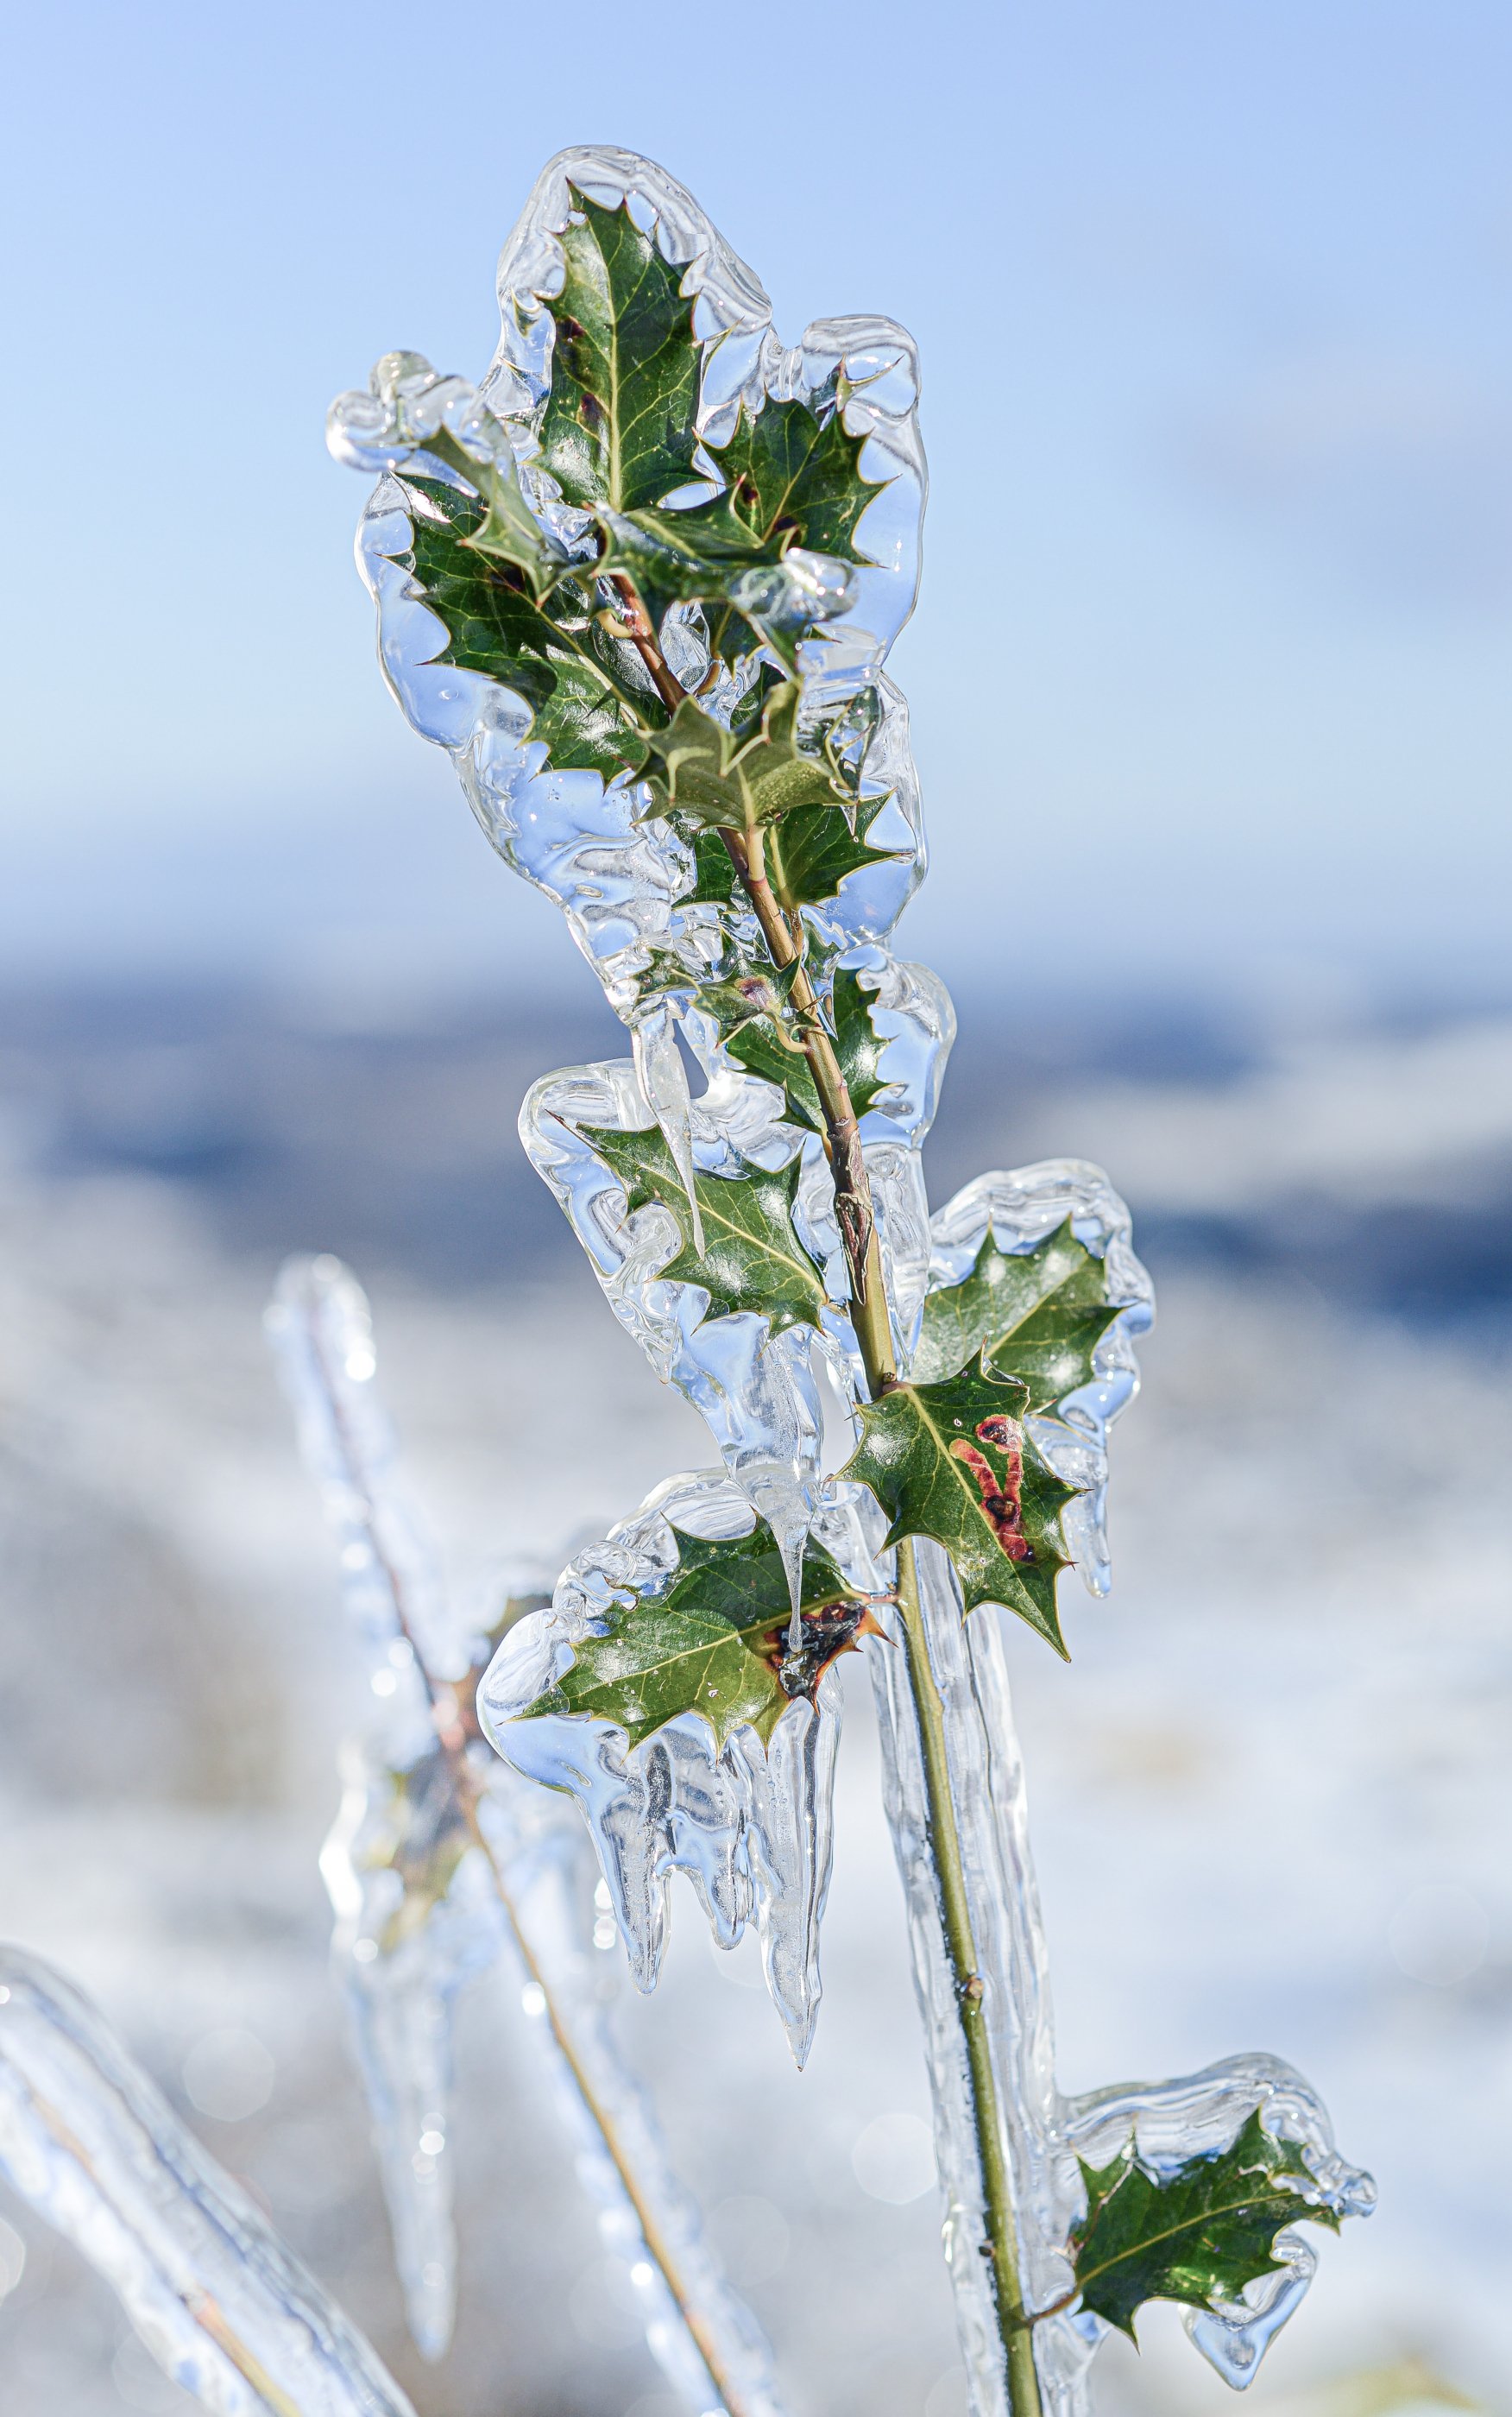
663,1080
405,1936
321,1329
224,2307
416,1918
542,1842
751,1825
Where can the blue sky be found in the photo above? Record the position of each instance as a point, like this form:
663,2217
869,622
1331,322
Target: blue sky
1210,677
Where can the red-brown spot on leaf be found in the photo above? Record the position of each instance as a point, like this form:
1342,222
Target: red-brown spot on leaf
1002,1497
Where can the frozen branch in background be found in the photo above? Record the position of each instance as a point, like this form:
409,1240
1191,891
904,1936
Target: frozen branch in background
442,1860
226,2310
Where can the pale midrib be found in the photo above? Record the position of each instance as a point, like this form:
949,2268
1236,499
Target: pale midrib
599,1695
739,1233
980,1331
1254,2202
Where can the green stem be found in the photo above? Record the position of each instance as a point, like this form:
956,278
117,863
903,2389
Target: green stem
873,1331
873,1328
1002,2244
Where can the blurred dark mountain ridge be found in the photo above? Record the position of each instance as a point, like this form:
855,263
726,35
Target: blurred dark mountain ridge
1372,1161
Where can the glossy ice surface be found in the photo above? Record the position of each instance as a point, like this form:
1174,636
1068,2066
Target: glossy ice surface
223,2306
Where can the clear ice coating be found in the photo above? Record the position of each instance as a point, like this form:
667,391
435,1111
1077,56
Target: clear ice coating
416,1914
226,2310
625,879
424,1903
1042,2134
750,1824
624,883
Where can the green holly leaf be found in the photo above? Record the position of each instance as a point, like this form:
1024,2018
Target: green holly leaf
1040,1312
753,991
764,1044
714,1643
618,424
549,650
693,556
952,1461
751,1256
796,478
809,855
508,530
730,780
716,880
1203,2232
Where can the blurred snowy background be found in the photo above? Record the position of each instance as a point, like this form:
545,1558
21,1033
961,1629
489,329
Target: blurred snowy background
1213,305
1271,1794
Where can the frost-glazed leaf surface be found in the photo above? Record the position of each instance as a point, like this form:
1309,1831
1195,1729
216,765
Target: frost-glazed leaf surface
618,425
694,557
796,478
546,649
751,1256
759,1048
714,1643
807,856
1041,1315
1204,2233
734,780
952,1461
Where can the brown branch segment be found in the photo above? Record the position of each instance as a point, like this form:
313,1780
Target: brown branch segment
842,1134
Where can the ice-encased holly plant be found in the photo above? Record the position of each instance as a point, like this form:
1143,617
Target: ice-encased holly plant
641,583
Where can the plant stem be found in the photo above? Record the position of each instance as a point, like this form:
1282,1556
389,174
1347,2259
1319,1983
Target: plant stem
196,2304
874,1331
873,1328
842,1134
1002,2244
657,2247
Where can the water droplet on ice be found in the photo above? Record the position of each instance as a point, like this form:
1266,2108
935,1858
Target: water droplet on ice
893,2159
229,2075
1439,1934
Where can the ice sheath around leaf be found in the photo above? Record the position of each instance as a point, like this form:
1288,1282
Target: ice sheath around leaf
1202,2233
224,2307
749,1823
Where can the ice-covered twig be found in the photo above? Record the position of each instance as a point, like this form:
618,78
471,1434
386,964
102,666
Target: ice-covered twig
473,1844
225,2308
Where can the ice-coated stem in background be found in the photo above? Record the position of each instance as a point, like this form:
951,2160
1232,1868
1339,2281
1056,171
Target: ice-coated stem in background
224,2307
701,2334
